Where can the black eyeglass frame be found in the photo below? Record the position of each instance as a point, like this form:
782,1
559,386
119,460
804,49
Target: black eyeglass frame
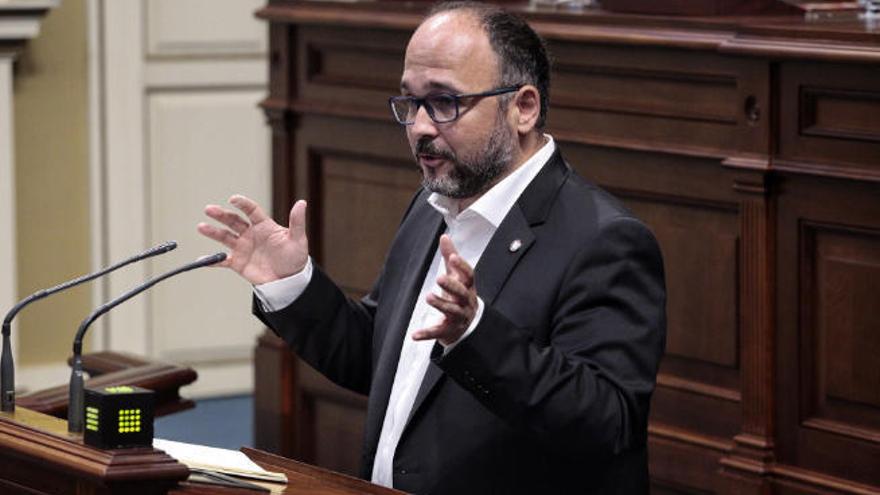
423,102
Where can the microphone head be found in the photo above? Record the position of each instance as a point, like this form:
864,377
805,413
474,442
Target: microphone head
211,259
165,247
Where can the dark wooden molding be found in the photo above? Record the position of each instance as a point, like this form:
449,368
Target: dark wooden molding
111,369
867,102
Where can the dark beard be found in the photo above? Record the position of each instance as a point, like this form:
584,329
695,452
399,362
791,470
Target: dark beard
474,175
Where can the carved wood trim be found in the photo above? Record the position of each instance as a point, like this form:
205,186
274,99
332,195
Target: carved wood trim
757,164
680,113
314,51
691,437
840,428
832,171
814,479
110,368
331,109
699,388
808,102
753,452
826,51
675,199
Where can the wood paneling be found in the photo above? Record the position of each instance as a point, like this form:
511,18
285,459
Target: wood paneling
830,125
829,241
846,280
699,243
840,114
335,422
349,74
659,96
379,187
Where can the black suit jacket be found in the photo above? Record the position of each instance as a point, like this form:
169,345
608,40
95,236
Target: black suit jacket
550,393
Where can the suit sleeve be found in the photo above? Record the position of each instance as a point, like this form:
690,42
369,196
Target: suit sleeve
588,390
330,331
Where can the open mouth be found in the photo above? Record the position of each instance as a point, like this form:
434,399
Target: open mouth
431,160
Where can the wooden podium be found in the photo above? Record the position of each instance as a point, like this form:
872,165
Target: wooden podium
39,456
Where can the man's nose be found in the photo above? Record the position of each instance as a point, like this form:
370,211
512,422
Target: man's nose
422,124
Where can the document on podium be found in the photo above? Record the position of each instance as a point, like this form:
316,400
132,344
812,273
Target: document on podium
231,462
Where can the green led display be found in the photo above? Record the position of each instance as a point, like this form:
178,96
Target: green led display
121,389
129,420
92,417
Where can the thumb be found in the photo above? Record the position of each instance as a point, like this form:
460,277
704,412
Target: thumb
297,221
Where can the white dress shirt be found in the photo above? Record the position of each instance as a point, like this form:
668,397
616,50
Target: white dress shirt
470,231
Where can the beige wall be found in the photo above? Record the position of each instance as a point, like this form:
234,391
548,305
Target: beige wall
52,182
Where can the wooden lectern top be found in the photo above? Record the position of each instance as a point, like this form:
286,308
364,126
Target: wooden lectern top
301,479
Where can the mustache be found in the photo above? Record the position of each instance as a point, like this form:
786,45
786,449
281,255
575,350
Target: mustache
426,146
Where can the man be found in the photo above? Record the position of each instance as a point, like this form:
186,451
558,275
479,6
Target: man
533,371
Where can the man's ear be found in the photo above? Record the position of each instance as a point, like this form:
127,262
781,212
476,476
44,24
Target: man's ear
528,105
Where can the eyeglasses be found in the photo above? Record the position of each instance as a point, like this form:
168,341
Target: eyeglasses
441,107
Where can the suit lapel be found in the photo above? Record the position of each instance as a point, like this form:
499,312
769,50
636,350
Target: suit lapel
491,272
508,245
425,237
511,241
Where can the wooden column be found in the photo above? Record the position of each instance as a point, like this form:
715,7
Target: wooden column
748,464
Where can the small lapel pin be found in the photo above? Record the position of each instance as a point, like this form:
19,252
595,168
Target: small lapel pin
515,245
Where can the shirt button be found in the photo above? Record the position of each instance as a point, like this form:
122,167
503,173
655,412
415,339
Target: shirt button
402,471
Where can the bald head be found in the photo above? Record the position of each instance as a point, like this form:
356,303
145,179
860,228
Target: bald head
521,55
453,52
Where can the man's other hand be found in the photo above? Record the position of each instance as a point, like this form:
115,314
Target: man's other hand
458,303
260,250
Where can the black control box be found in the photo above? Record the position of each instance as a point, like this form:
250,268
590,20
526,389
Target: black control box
119,417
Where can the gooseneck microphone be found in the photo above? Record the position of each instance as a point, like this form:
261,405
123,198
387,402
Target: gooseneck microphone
7,368
75,410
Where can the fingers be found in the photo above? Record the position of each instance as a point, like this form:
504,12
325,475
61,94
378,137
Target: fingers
251,209
458,305
456,266
461,270
453,310
453,289
227,218
297,225
429,333
447,249
222,236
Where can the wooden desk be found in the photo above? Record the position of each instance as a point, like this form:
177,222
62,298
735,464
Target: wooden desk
749,144
303,479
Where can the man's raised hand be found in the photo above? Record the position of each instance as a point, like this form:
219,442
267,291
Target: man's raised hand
459,300
260,250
